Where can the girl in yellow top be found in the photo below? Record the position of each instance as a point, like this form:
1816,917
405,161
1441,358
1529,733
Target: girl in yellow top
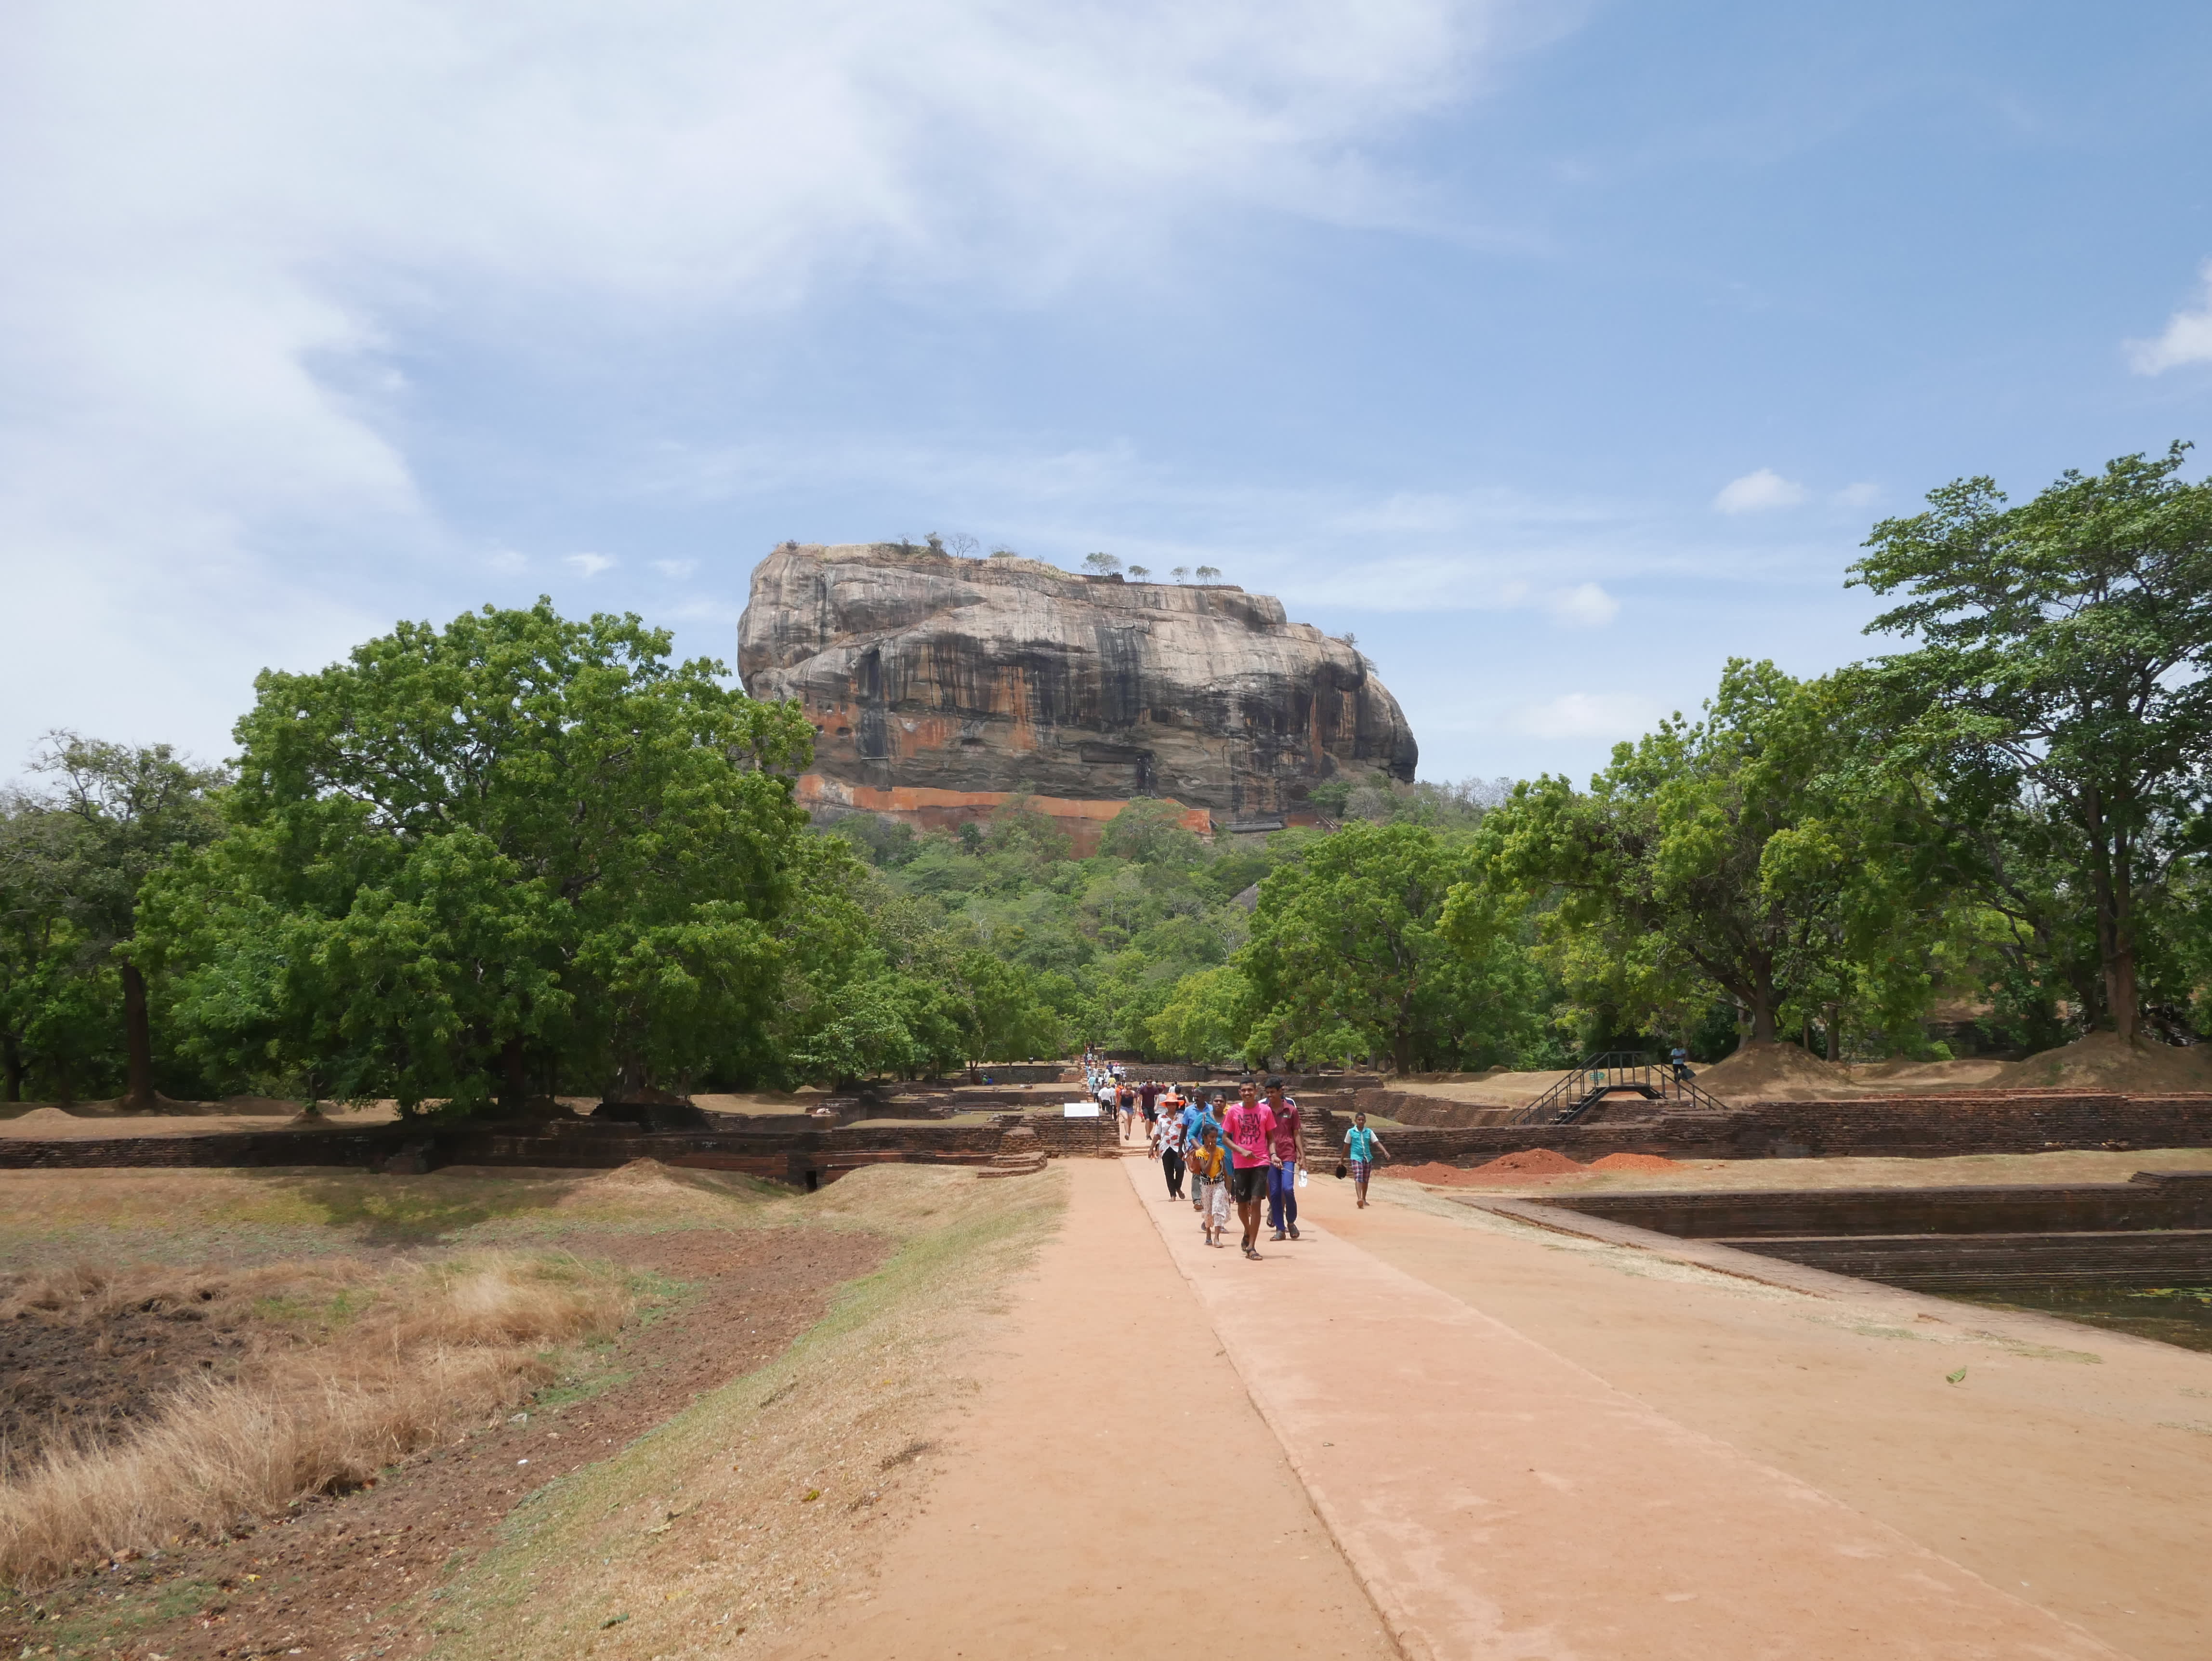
1209,1176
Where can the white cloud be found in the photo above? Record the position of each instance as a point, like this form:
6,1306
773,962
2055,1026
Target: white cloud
1861,494
1585,715
676,569
1585,606
507,561
2187,339
227,222
588,565
1757,492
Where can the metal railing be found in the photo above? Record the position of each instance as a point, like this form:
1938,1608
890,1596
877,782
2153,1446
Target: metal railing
1626,1071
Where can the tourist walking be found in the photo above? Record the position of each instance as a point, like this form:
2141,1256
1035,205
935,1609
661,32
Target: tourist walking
1289,1156
1208,1187
1361,1145
1168,1139
1249,1129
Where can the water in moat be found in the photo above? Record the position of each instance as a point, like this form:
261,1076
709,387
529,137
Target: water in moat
2172,1315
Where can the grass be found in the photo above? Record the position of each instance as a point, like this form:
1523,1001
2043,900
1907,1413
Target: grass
731,1515
436,1346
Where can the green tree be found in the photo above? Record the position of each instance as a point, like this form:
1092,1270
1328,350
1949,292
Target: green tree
2061,670
54,1005
119,813
468,859
1206,1018
1349,955
1746,851
1151,832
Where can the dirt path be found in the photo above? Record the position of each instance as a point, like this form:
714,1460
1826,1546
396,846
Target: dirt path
1501,1501
2067,1465
1108,1473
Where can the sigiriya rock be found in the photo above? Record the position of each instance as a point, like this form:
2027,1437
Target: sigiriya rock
929,676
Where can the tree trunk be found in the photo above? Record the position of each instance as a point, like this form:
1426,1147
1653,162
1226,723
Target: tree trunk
1762,1004
2120,991
1835,1012
11,1058
137,1040
514,1082
2116,946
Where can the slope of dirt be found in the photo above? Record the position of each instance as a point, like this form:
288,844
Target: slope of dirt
324,1581
2105,1061
1774,1072
1904,1076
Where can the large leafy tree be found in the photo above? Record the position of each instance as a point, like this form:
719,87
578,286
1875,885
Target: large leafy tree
1748,852
40,955
116,814
2058,694
1348,955
470,860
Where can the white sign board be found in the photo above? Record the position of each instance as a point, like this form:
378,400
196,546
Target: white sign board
1079,1110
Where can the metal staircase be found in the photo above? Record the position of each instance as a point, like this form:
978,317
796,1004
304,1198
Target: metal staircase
1617,1072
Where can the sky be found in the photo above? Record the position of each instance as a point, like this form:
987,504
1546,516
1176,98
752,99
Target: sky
1560,352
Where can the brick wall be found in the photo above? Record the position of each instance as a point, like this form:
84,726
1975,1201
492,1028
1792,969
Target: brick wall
2153,1201
2154,1230
785,1153
1919,1127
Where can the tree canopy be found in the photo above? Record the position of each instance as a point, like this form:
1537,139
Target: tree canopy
2058,697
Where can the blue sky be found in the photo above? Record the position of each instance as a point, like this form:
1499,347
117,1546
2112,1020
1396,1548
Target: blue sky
1561,352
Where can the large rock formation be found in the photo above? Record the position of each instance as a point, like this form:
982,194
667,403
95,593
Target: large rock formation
924,672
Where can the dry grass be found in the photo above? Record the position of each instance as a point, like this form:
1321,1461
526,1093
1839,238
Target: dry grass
428,1350
725,1529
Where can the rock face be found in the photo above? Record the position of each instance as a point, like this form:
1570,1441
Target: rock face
919,669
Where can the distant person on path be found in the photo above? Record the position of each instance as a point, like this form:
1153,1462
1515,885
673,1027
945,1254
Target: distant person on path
1105,1095
1127,1100
1361,1145
1207,1187
1682,1060
1250,1130
1283,1174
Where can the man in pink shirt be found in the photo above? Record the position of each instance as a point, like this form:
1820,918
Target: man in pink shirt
1249,1129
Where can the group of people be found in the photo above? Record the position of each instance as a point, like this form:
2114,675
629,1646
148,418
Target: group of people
1247,1154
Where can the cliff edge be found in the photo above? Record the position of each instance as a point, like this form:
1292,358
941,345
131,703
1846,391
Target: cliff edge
919,669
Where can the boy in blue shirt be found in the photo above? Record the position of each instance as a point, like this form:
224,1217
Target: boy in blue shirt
1361,1145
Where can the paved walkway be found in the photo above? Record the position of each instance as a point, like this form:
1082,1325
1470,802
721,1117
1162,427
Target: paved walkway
1500,1501
1111,1491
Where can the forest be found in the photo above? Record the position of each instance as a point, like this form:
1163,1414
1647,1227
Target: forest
525,855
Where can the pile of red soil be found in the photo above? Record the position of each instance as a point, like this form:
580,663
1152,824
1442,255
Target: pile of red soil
1433,1172
1635,1162
1531,1162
